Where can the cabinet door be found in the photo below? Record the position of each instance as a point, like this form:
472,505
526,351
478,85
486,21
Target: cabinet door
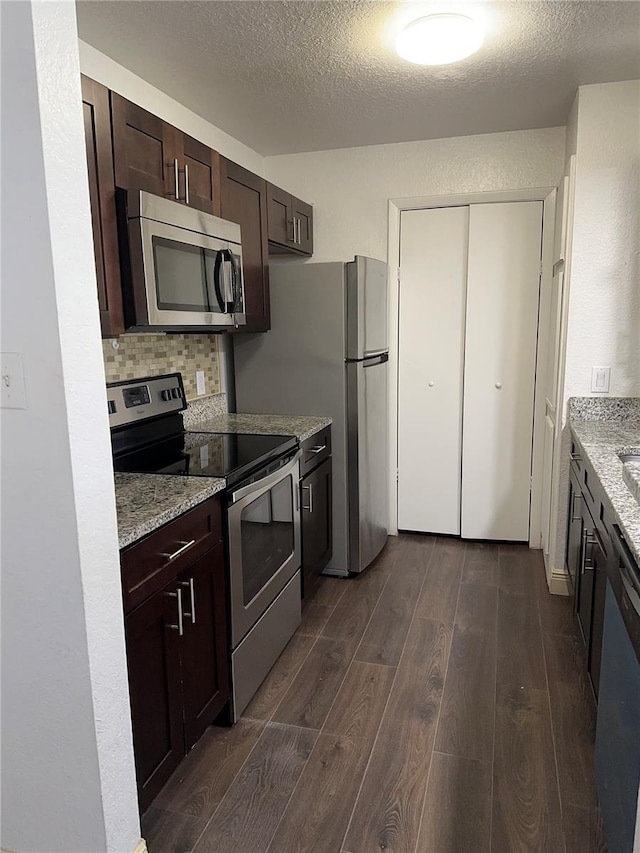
585,579
145,150
97,132
244,200
597,622
153,658
316,524
574,531
204,644
201,168
303,215
280,216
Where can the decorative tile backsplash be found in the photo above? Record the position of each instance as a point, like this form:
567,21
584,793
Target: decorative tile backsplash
151,355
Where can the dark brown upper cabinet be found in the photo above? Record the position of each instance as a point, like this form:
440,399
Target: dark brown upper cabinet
97,130
289,223
152,155
243,199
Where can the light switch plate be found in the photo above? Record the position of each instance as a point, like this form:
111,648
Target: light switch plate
13,395
200,384
600,380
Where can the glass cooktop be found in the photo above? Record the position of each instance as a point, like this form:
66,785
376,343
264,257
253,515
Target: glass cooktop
200,454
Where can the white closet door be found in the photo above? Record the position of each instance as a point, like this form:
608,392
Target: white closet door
499,375
433,270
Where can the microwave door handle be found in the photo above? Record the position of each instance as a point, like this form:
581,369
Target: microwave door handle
238,307
228,284
217,268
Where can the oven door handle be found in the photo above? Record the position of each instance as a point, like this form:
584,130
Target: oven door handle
265,483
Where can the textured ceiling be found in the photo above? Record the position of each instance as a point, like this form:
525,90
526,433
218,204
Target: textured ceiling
315,74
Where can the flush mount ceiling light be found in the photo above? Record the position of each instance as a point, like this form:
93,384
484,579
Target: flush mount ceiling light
439,39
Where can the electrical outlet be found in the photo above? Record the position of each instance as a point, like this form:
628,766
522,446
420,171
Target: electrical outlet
12,395
600,380
200,383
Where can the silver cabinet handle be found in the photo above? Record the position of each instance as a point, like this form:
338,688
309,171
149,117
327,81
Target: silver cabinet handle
299,231
575,457
186,183
576,497
181,550
293,227
310,507
588,540
192,593
180,626
176,173
317,449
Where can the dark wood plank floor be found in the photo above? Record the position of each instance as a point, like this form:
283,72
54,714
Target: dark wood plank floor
437,704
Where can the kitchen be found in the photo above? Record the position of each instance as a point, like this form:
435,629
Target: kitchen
69,412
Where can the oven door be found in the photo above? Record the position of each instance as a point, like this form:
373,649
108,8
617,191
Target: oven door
183,279
264,544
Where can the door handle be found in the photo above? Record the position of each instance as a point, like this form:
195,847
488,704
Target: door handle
176,173
185,546
310,507
180,626
576,497
186,183
588,541
192,593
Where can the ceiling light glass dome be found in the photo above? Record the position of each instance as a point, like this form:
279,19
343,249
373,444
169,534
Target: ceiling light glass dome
439,39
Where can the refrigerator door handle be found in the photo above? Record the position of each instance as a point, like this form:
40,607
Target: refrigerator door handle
378,359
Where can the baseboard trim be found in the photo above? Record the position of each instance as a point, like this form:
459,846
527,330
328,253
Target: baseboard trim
141,847
559,582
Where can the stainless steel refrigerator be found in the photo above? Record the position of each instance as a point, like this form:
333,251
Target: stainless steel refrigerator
327,354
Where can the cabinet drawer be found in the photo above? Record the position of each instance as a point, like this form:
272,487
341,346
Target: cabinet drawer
315,450
153,562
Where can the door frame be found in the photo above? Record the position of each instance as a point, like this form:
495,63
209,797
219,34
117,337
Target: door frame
547,195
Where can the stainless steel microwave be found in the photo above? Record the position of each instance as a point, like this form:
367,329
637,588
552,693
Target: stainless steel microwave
181,267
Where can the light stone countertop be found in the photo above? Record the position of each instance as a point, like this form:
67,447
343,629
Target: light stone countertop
301,426
144,502
601,440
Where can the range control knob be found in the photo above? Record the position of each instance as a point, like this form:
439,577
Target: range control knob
166,394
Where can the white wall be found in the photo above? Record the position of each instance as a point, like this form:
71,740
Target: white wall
105,70
350,188
603,325
604,301
68,780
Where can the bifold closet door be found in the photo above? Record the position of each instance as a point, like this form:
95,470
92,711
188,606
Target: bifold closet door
499,375
433,252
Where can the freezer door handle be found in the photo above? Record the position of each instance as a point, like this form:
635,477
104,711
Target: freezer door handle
378,359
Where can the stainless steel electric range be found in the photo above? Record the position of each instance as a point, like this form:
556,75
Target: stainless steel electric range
262,513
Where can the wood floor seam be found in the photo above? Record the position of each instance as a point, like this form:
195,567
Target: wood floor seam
382,716
437,726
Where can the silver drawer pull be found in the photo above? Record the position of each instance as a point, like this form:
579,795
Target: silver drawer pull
310,507
179,627
185,546
575,457
192,614
317,449
574,517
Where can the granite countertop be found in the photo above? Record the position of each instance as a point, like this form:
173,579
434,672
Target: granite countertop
301,426
145,502
602,432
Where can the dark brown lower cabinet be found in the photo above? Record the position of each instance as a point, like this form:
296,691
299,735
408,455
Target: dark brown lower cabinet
178,673
588,544
317,539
